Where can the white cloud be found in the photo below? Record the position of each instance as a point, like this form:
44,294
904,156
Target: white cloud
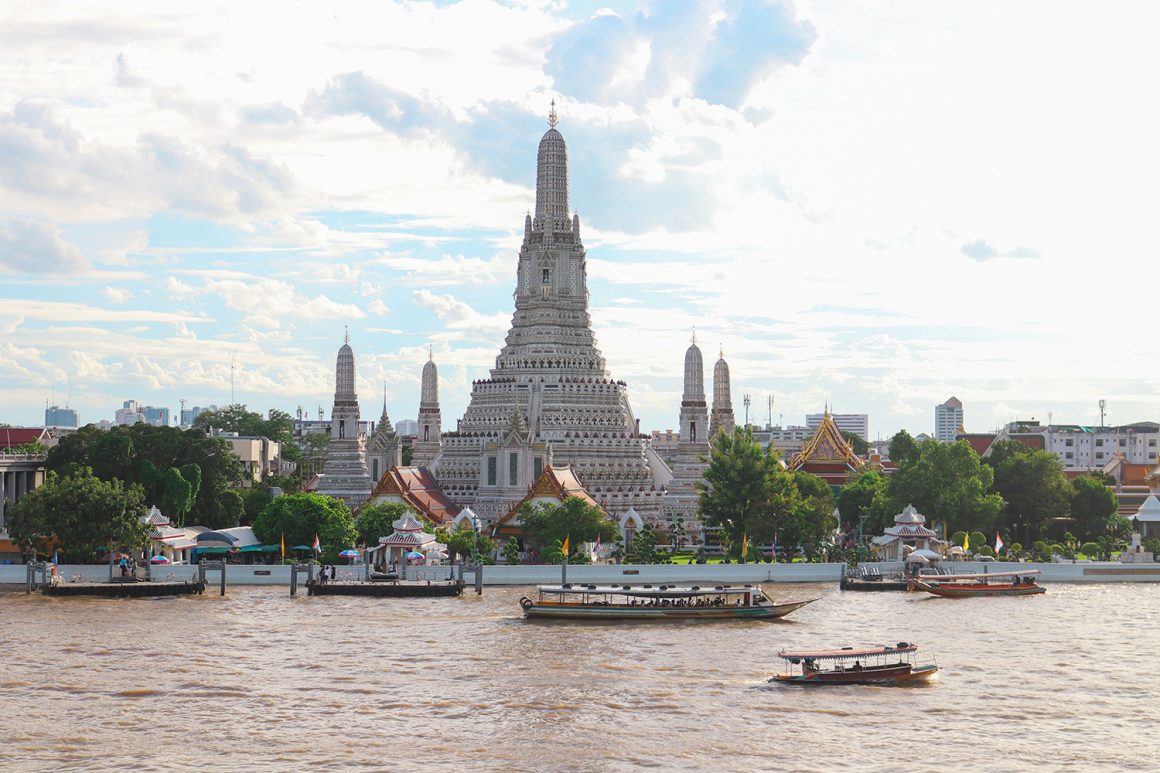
117,295
29,247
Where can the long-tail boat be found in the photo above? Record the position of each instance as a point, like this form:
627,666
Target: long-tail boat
663,602
869,665
985,584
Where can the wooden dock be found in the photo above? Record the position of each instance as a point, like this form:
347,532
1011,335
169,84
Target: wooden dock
386,589
124,590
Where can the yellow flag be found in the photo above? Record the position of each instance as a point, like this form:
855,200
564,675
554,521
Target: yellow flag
283,544
744,545
966,543
564,547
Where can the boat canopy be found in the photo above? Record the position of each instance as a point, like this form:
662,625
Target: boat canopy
796,656
661,591
980,575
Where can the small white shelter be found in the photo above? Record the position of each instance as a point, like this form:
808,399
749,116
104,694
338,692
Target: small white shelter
1146,521
408,537
909,531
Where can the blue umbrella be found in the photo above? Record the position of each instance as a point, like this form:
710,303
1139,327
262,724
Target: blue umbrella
415,554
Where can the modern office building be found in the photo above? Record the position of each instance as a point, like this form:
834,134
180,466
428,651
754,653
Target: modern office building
858,423
948,420
60,417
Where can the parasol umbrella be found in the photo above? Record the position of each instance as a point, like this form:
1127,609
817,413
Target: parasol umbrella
159,560
915,558
350,553
414,554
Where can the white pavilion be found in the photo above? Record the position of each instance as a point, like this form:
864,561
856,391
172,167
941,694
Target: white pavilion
909,530
408,537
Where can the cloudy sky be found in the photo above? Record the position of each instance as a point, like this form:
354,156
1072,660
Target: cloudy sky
876,205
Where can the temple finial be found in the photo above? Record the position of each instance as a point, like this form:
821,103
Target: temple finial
384,395
721,351
694,338
430,353
346,334
553,119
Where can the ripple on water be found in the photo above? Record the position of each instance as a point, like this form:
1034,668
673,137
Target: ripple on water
471,674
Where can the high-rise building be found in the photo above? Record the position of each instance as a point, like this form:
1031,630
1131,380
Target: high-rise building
60,417
407,427
128,413
857,423
158,417
948,420
550,399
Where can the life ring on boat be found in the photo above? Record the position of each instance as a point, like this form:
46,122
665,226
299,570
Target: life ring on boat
526,602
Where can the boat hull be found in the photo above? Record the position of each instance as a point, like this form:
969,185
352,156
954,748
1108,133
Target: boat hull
885,676
546,610
964,590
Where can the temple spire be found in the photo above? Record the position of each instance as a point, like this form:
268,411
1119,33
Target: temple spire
552,117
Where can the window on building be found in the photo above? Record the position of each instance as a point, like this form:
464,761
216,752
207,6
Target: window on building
491,470
1123,442
1069,443
1100,442
1151,442
539,467
545,281
513,468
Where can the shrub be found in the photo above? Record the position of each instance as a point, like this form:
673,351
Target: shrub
1090,549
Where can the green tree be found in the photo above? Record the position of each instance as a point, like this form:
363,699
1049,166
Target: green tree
1092,504
573,519
857,442
856,501
643,549
947,481
85,513
809,521
277,425
903,448
1032,485
464,540
377,520
735,494
254,501
299,517
511,551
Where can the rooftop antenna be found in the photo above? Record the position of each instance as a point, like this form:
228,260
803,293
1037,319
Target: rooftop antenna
233,367
745,399
769,404
1103,407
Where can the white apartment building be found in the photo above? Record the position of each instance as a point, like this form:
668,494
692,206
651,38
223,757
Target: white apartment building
948,418
857,423
1088,448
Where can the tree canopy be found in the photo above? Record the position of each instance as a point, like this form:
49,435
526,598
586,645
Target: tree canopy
903,448
857,442
299,517
866,496
1032,485
155,458
573,519
748,495
947,482
277,425
1093,506
375,521
86,514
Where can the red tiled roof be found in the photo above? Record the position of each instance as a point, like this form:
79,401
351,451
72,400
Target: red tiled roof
11,437
416,486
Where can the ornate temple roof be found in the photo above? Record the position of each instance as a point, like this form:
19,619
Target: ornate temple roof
554,483
827,447
415,486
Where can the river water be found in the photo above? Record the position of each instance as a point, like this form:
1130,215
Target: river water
258,680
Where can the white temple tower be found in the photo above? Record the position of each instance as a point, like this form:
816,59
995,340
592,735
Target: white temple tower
722,418
345,473
690,459
550,372
430,439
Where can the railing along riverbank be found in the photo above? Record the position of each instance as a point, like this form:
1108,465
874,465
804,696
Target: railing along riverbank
12,575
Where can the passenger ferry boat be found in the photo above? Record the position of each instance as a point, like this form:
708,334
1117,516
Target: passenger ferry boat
663,602
986,584
869,665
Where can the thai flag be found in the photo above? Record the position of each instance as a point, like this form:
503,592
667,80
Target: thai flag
317,548
998,542
596,549
773,550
